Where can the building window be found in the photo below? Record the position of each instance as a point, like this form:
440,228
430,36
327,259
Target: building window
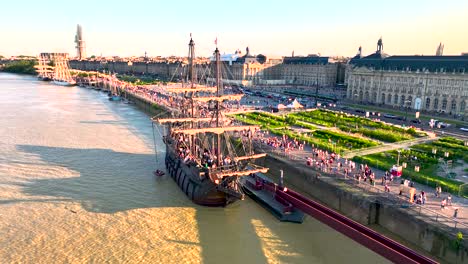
436,103
389,99
453,106
462,106
428,103
402,100
383,98
444,104
395,99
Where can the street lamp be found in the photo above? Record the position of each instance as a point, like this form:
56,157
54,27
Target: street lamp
317,81
406,109
398,159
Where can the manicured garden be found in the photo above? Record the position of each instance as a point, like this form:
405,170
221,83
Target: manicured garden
358,125
350,132
325,139
428,158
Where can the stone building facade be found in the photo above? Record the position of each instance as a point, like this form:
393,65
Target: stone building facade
309,71
302,71
425,83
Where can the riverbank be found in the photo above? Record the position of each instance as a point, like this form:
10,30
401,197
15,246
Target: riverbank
20,67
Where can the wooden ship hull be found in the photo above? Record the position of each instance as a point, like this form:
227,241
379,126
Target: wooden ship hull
64,83
194,181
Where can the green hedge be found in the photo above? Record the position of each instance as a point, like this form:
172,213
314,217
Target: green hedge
369,128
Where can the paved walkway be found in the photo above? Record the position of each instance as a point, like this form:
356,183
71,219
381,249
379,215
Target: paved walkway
390,146
431,210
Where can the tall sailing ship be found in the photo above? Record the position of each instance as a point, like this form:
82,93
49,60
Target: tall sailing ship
62,74
206,153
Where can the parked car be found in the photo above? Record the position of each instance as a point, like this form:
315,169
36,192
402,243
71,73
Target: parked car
464,129
390,116
360,111
416,121
443,125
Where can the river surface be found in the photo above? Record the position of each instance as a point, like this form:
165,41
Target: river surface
76,186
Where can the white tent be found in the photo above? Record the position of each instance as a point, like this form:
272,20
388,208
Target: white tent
295,104
281,106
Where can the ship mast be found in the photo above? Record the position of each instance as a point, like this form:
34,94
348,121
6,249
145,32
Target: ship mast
191,57
192,77
191,72
218,94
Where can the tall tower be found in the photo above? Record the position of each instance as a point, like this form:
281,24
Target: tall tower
80,44
440,50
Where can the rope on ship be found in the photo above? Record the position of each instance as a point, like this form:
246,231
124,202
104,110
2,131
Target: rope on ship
154,143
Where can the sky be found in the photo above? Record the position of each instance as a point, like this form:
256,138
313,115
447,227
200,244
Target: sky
270,27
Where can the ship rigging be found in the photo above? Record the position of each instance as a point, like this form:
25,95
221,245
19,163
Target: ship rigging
206,152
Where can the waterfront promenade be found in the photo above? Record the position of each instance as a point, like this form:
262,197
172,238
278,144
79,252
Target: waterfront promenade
430,211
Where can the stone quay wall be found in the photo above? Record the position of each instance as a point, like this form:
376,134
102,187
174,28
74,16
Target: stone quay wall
355,204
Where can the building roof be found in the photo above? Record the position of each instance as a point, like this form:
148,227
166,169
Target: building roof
306,60
413,63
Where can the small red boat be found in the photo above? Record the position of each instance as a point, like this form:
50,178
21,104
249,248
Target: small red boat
159,173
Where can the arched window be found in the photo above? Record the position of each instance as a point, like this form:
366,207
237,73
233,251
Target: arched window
383,98
428,103
374,97
444,104
395,99
402,100
389,99
436,103
462,106
367,96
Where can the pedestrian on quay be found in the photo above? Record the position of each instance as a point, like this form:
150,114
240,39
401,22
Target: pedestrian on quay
455,213
449,200
442,204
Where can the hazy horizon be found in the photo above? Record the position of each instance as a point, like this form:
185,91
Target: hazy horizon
273,28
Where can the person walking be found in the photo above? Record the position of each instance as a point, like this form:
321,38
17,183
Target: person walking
449,200
442,204
455,213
